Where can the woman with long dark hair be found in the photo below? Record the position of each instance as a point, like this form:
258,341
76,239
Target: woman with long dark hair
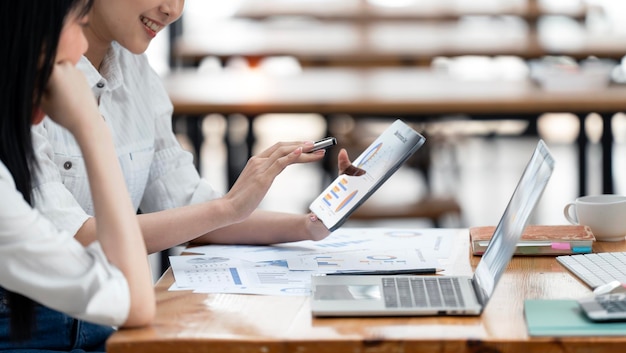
57,294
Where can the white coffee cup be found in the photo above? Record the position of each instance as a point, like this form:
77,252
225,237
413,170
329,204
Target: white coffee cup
604,214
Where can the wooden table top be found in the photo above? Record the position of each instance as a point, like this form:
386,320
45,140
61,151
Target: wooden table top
385,91
188,322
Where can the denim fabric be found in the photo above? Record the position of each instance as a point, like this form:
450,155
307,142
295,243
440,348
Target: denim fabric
55,332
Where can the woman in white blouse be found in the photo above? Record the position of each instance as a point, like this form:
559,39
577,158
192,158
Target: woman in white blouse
45,274
177,206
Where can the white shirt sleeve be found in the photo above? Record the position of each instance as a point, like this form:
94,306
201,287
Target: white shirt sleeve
50,195
51,267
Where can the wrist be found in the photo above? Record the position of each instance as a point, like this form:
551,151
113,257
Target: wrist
87,130
315,229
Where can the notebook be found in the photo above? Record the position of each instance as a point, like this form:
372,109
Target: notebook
380,160
563,317
540,240
387,295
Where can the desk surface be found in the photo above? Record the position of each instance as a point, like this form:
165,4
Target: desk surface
188,322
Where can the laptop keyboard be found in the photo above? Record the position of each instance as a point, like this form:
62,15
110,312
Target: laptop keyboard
407,292
598,268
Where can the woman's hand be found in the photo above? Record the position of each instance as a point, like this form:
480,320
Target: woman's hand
345,166
259,173
68,99
316,228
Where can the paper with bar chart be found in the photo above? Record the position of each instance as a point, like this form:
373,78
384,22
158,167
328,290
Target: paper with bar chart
380,160
286,269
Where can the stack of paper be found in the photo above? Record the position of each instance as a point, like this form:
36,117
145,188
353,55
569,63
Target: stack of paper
286,269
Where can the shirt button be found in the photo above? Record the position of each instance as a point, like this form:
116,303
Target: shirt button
67,165
100,84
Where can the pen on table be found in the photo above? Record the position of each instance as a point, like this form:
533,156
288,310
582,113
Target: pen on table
415,271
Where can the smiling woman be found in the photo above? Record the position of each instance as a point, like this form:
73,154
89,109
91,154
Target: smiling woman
133,24
177,206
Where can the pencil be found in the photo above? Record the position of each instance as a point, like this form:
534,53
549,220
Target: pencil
413,271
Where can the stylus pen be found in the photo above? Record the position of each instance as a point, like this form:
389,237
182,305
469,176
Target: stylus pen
415,271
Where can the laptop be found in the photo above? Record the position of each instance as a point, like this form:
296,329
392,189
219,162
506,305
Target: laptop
406,295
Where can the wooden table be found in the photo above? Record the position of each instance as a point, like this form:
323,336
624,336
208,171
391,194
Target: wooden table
188,322
411,93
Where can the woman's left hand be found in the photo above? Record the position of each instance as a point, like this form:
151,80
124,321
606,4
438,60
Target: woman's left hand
317,229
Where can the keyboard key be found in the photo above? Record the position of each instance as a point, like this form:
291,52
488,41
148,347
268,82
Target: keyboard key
422,292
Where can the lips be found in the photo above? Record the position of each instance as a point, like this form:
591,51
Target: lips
151,24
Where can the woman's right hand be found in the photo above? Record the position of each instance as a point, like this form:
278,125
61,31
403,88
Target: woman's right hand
261,170
68,99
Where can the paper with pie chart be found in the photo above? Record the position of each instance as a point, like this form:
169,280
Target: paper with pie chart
380,160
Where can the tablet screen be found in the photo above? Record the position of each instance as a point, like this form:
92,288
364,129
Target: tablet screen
380,160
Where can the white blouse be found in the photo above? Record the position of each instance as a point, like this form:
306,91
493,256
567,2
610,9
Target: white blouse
47,265
159,174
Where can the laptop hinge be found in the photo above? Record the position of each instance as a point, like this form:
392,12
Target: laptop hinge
480,296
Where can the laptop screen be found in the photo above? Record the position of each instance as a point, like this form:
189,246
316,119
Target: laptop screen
515,218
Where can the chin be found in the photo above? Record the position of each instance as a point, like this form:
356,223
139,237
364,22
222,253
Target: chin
137,48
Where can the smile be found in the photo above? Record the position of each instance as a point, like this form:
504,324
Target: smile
151,24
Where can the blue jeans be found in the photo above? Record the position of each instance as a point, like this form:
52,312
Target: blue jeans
55,332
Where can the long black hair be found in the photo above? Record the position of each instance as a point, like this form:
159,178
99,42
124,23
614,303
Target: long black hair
29,35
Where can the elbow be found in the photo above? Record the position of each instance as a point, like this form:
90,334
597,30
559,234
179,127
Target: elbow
142,312
140,317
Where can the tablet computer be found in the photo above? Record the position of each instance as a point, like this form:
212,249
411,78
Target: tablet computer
380,160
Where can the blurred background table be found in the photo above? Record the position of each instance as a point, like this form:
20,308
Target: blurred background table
365,10
413,94
392,43
409,33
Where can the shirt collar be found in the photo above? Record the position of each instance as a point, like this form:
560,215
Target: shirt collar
111,71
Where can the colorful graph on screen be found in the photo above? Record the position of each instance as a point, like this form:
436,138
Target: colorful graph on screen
377,160
369,155
338,195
